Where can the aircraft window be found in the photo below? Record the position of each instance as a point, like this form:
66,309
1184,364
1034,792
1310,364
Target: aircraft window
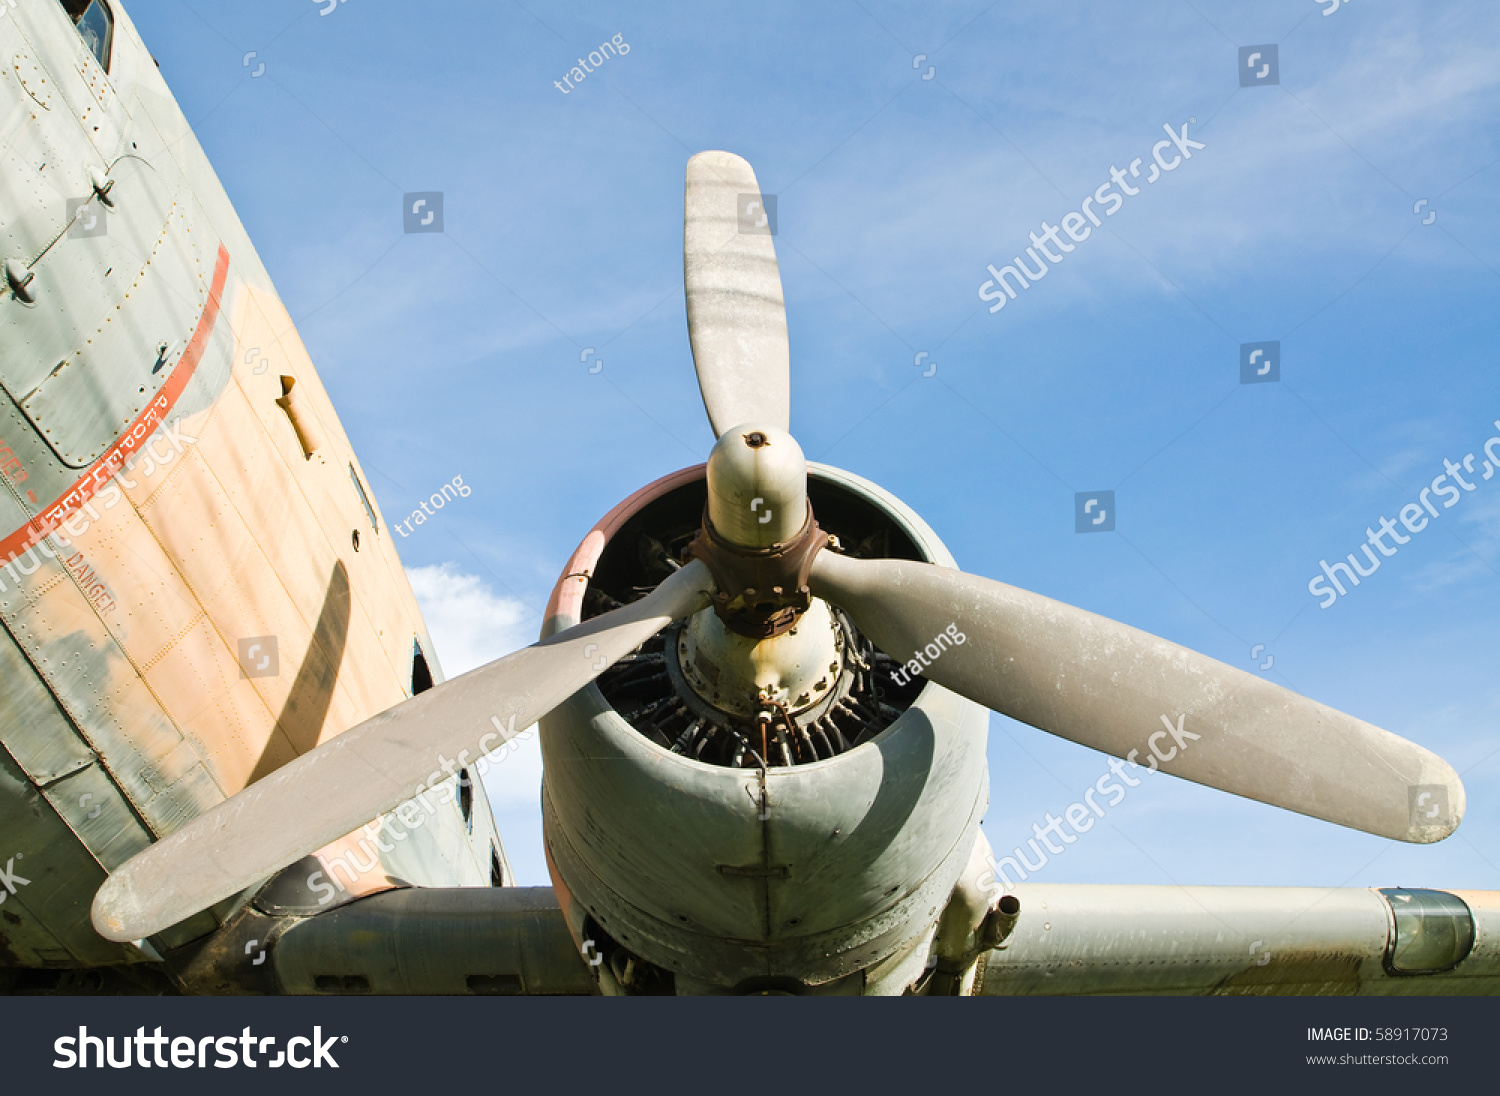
421,674
1434,930
466,797
364,499
497,873
96,25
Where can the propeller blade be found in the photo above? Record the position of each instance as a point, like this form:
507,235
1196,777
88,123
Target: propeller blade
736,316
374,767
1119,690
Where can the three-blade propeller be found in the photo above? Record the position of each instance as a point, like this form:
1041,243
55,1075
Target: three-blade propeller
1064,670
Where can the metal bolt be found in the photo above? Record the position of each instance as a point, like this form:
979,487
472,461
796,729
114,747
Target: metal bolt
19,279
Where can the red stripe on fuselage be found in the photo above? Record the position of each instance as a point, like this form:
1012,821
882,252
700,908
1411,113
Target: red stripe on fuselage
134,436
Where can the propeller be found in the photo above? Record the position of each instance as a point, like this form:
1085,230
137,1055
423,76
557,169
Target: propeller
736,315
374,767
1122,691
1064,670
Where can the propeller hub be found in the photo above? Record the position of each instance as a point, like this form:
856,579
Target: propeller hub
759,536
757,487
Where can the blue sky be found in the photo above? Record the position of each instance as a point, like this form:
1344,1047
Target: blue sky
459,353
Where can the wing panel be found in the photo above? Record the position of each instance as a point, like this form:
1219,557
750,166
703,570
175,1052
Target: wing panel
471,940
1221,941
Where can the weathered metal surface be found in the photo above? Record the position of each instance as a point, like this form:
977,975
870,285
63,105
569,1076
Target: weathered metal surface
1119,690
49,875
1077,939
155,505
497,941
368,769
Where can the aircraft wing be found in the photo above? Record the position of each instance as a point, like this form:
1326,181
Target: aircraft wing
487,941
1094,940
1067,940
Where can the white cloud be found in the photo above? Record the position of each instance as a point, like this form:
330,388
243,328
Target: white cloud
471,625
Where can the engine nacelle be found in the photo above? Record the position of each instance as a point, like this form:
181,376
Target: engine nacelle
683,867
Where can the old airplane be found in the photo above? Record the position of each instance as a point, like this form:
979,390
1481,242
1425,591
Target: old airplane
231,766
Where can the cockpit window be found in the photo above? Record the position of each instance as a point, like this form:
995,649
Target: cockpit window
96,25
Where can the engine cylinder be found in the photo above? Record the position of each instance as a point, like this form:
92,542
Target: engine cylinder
745,677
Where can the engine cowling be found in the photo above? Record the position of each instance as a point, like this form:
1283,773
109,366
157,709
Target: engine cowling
686,863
